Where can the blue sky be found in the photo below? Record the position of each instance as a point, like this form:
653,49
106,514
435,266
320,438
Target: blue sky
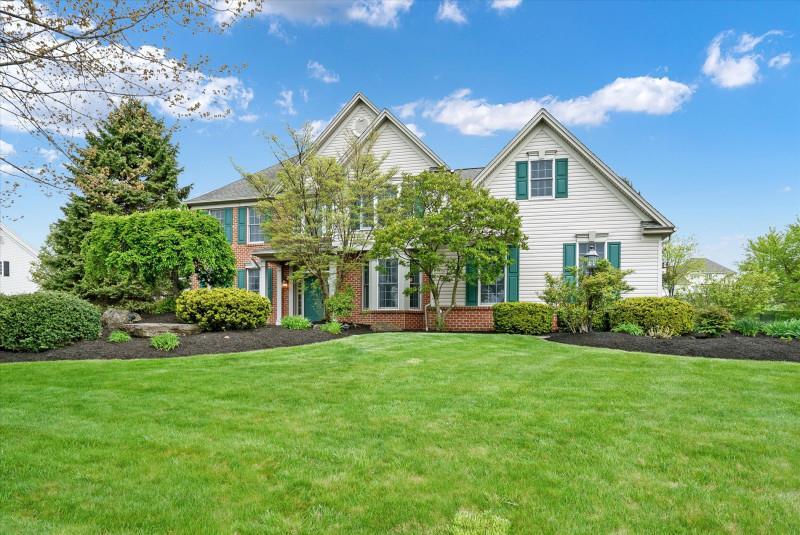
696,103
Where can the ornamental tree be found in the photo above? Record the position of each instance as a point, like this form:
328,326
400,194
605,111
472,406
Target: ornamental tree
678,260
438,223
158,251
778,253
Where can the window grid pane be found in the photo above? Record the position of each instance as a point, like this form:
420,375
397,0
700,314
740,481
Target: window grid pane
494,293
254,222
218,214
254,280
387,284
542,188
413,300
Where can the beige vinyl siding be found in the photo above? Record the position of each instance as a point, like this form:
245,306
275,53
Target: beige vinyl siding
402,154
337,143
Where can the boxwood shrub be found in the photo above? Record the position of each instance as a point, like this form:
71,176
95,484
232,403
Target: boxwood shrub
222,309
522,318
45,320
653,314
713,321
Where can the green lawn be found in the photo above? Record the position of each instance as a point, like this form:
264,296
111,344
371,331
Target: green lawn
397,433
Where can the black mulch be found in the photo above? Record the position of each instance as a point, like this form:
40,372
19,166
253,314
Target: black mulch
729,346
195,344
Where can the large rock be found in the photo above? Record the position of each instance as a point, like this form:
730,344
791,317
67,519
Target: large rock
148,330
114,318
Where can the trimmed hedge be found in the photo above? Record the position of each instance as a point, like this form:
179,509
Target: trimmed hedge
713,321
653,313
522,318
45,320
222,309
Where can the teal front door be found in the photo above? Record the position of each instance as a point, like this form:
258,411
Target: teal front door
312,300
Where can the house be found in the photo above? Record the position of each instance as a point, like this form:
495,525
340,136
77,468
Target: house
569,201
16,262
707,271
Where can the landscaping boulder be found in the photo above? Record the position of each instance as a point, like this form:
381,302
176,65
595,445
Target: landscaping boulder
113,318
149,330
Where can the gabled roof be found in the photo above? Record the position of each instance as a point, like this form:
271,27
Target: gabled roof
357,99
706,265
7,231
543,116
238,190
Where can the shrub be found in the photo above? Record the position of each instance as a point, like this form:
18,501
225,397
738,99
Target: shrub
341,304
165,342
713,321
522,318
573,318
783,329
296,323
46,320
118,337
653,313
333,327
748,326
629,328
222,309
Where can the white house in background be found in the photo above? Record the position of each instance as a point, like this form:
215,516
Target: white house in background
16,262
707,271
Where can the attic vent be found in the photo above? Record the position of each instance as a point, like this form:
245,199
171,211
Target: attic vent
551,152
533,154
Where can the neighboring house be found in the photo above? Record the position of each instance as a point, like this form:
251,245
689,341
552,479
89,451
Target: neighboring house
16,263
707,271
569,201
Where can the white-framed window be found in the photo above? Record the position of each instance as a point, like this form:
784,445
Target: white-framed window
542,177
489,294
218,214
599,246
255,233
414,279
254,280
388,283
367,213
365,287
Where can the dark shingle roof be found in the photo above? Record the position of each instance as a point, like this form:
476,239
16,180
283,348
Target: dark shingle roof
239,190
469,173
709,266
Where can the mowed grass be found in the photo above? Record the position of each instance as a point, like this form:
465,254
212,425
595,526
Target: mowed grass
401,433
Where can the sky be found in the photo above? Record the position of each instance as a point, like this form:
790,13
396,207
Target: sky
697,103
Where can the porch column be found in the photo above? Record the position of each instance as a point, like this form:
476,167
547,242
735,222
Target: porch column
277,290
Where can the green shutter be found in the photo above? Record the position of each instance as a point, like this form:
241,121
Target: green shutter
228,224
512,280
522,180
614,252
242,230
561,178
570,258
472,286
241,278
269,283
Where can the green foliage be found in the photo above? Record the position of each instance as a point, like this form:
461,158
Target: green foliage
783,329
296,323
778,253
480,523
332,327
119,337
128,165
742,295
655,314
46,320
165,342
748,326
661,331
522,318
677,258
223,309
713,321
629,328
439,222
158,250
342,303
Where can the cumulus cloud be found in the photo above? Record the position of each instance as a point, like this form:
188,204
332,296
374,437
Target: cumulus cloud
49,155
405,111
735,66
780,61
6,149
502,5
275,29
479,117
318,71
416,130
450,12
248,118
381,13
286,101
378,13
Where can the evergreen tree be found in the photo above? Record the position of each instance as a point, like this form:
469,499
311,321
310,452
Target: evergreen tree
129,164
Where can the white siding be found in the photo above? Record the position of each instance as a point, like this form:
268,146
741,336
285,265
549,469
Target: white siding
592,206
402,154
337,143
20,261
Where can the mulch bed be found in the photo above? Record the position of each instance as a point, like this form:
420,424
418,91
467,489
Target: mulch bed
196,344
729,346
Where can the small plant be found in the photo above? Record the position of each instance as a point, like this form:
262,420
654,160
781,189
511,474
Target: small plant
119,337
661,331
629,328
783,329
713,321
296,323
165,342
332,327
748,326
340,305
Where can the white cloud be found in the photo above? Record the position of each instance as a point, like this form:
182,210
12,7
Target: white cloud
248,118
318,71
286,101
378,13
50,155
317,127
381,13
478,117
416,130
787,189
405,111
737,66
6,149
449,11
502,5
780,61
276,30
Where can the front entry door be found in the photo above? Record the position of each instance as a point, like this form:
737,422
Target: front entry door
312,300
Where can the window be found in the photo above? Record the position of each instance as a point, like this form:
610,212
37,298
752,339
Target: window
495,292
600,247
255,233
365,287
6,268
541,178
387,284
254,280
219,214
413,282
367,213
